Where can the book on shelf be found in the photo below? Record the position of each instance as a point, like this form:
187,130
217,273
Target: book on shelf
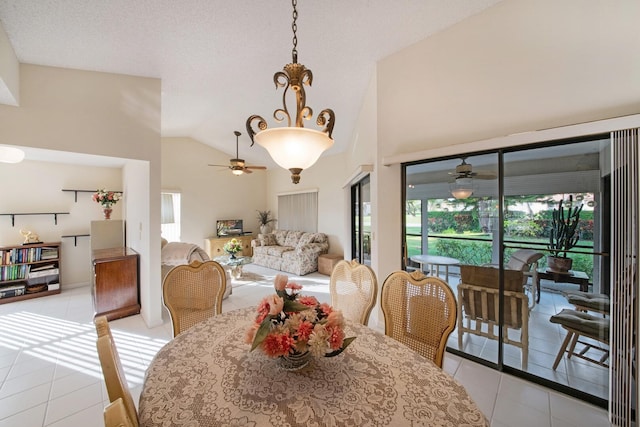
14,272
53,286
12,291
42,267
49,253
44,272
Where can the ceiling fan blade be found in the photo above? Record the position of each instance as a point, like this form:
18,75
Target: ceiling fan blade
485,175
256,167
221,166
247,170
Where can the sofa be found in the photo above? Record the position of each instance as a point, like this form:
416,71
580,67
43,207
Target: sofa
294,252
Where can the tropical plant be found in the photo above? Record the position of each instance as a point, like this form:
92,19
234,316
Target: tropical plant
563,236
264,217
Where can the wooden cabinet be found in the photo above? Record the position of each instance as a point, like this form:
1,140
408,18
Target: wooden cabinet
115,288
29,271
214,246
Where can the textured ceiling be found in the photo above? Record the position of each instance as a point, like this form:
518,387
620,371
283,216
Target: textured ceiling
217,58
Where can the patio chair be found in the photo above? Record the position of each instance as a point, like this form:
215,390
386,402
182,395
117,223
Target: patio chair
114,377
419,312
193,293
478,299
526,260
354,290
580,324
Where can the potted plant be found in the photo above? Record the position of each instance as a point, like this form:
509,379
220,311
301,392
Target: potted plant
563,236
264,219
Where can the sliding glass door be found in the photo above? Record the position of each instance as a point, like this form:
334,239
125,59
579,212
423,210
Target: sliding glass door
452,221
361,221
487,224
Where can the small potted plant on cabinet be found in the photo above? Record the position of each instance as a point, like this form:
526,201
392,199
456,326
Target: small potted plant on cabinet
264,219
563,236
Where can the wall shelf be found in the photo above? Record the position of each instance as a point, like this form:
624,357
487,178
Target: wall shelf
13,215
75,237
75,192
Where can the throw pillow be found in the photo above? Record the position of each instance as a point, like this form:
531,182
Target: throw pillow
306,239
281,236
268,239
293,238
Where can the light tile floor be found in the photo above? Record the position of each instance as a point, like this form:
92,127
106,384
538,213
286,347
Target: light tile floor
50,374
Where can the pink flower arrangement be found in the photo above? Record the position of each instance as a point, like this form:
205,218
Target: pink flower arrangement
106,198
288,323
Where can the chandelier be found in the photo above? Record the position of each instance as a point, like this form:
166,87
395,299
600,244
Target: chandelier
293,147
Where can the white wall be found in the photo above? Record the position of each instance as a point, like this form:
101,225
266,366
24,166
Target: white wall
210,193
102,114
521,65
34,186
518,66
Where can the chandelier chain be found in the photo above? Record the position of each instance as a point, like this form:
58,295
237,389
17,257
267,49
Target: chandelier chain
294,27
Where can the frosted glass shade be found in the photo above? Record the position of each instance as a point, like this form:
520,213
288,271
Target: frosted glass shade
11,154
294,147
462,188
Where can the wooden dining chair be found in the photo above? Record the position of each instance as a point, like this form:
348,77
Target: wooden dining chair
354,290
193,293
112,371
115,415
419,311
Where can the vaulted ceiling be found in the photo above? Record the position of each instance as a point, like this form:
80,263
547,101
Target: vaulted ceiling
217,58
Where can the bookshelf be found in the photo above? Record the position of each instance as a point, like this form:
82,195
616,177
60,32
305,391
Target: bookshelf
29,271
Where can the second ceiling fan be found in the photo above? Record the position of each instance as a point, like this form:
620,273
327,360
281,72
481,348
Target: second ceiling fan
237,165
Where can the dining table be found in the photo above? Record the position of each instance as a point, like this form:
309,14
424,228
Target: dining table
207,376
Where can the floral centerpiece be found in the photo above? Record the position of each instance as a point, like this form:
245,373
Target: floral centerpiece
294,327
106,199
232,247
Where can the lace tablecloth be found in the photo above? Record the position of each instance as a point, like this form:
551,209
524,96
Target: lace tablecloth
207,377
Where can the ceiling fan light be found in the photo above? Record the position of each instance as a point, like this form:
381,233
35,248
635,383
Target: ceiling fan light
294,147
236,171
462,188
11,154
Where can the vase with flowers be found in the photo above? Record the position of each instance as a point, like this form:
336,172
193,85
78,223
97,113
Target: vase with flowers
232,247
106,199
294,327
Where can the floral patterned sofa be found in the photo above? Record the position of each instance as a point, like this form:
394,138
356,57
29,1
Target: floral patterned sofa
295,252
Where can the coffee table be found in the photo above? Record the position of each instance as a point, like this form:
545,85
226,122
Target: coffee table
234,264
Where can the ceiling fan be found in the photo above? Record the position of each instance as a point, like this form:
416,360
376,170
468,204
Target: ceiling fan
237,165
465,171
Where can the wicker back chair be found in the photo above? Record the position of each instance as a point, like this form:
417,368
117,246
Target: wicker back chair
112,371
193,293
115,415
354,290
419,311
478,299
